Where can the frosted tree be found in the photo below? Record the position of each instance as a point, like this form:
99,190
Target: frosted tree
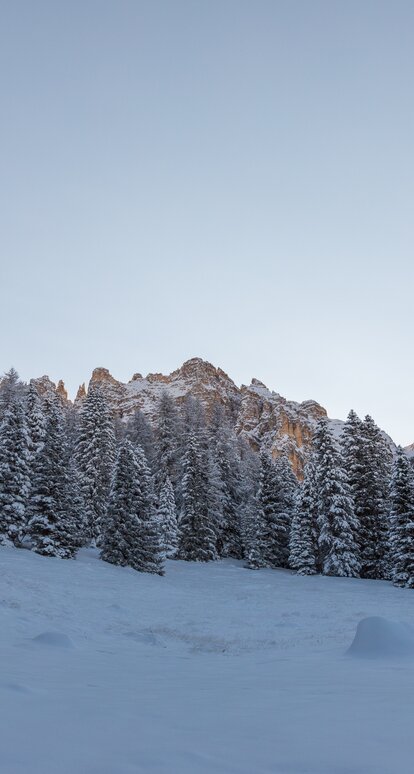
14,469
132,534
402,521
140,433
225,458
36,421
167,517
275,502
197,524
95,457
252,531
167,442
250,515
374,507
10,388
353,451
303,556
51,529
338,526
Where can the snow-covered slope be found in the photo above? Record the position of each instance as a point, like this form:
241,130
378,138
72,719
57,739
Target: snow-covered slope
212,669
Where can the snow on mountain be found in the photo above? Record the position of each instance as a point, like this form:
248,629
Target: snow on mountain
212,669
262,416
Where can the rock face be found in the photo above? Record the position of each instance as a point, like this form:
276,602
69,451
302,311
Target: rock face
44,385
409,450
261,416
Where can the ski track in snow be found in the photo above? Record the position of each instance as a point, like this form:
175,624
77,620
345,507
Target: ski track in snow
213,669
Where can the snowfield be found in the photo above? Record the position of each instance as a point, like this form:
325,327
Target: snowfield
213,669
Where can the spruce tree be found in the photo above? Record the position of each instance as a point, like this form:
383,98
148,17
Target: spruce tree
167,517
225,459
140,433
275,508
303,556
402,522
51,529
338,527
131,531
373,517
252,531
95,456
14,469
36,421
197,525
167,442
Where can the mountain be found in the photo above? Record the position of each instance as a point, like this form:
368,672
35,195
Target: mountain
409,450
260,415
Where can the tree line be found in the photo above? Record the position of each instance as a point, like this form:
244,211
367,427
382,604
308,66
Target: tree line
188,487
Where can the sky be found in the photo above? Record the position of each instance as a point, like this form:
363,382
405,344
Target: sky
226,179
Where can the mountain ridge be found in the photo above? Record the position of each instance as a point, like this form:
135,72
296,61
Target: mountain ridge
261,415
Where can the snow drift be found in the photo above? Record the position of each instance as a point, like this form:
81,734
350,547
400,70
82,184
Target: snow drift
377,637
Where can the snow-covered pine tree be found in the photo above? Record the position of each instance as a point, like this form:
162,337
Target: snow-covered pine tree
252,531
51,529
197,524
352,445
402,522
10,388
95,457
167,517
14,469
167,442
139,432
224,453
374,507
251,525
288,488
75,506
338,527
275,506
132,533
36,421
303,556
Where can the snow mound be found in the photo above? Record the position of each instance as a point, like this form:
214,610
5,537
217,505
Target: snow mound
378,637
55,639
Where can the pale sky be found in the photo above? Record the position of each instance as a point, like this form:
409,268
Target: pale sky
227,179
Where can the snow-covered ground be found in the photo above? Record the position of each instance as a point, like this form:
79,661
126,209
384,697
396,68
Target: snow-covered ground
212,669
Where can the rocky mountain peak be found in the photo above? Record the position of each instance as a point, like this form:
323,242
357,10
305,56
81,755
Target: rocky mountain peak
263,417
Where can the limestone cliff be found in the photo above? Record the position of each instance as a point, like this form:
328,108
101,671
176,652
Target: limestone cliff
260,415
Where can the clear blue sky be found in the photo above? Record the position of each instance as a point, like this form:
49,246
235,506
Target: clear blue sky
220,178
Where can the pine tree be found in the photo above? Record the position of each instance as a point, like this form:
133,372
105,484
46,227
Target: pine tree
167,442
252,531
95,456
251,525
140,433
275,505
10,388
338,527
373,517
197,525
167,517
402,521
14,469
303,556
131,531
226,462
36,422
50,528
